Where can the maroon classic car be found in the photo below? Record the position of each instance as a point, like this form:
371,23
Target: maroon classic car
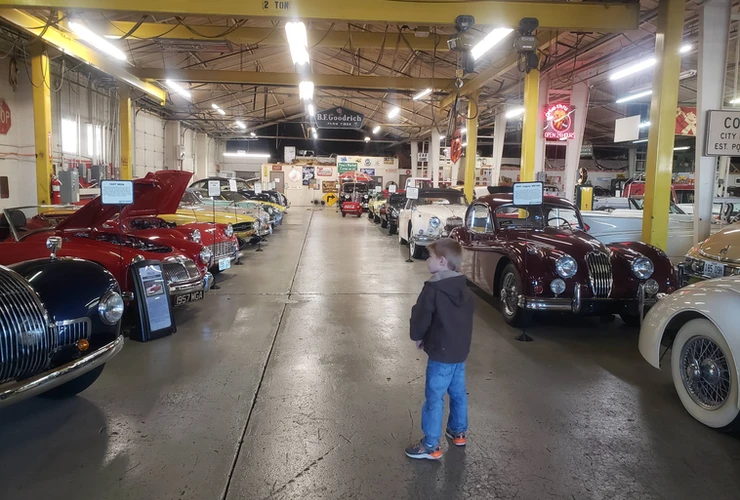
542,259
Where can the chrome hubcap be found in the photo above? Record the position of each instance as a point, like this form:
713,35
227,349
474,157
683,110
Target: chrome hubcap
705,372
412,246
509,294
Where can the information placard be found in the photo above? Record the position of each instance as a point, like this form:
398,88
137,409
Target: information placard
528,194
723,133
117,192
152,301
378,189
258,187
392,188
232,185
214,188
412,193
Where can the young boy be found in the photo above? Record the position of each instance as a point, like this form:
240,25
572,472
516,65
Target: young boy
442,324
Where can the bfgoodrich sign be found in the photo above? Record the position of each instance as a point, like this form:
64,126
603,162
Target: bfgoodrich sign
340,118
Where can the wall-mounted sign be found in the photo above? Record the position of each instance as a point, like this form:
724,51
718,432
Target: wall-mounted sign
277,168
423,157
346,167
368,162
4,117
559,121
329,187
289,154
117,192
368,171
340,118
723,133
686,121
388,161
587,149
308,175
324,171
294,175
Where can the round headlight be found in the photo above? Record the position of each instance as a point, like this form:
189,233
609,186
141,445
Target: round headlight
566,266
651,287
195,236
557,286
435,222
270,210
229,231
643,268
206,255
110,308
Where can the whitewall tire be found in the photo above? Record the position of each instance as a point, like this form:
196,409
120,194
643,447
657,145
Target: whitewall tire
705,375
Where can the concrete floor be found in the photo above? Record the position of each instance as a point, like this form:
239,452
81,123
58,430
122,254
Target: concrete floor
297,380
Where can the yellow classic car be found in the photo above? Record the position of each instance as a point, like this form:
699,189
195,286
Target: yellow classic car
717,256
373,207
243,224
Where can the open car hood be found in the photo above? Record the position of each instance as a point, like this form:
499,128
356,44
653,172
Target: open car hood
157,193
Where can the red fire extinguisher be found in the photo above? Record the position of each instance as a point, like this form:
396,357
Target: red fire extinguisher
56,191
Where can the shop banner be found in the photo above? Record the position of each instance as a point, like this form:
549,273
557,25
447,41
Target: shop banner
308,175
346,167
324,171
339,117
368,171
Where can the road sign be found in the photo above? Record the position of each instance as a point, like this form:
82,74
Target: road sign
4,117
723,133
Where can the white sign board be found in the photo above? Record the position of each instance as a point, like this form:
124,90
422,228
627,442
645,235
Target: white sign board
289,155
378,189
412,193
117,192
257,187
392,188
527,194
423,157
232,185
214,188
723,133
627,129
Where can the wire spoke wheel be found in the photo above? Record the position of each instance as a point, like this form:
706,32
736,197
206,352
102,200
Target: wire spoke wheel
509,294
705,372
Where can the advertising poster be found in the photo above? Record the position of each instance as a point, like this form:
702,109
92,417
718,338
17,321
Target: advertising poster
368,171
308,175
324,171
329,187
346,167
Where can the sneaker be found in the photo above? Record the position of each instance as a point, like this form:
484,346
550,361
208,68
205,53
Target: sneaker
420,450
459,439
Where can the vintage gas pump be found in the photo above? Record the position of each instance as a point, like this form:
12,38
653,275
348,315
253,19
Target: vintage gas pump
584,191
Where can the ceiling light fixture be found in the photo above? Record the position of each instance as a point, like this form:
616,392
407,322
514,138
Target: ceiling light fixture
735,101
685,48
639,141
218,108
513,113
632,97
645,64
376,129
489,42
311,110
96,41
681,148
253,134
305,90
242,154
422,94
315,135
177,89
298,40
367,139
240,124
644,125
394,112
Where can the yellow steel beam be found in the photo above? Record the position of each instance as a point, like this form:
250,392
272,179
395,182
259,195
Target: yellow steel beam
661,139
41,80
529,125
275,36
293,79
63,42
472,148
584,16
498,68
124,117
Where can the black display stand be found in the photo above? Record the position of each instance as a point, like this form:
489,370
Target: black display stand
152,302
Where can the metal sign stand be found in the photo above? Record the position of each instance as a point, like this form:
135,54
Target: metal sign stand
214,190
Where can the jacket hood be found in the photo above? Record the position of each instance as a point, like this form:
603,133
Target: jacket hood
452,284
723,245
157,193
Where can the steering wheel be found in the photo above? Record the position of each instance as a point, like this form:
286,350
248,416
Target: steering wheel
559,218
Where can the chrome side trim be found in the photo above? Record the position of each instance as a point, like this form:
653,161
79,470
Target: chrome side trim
576,303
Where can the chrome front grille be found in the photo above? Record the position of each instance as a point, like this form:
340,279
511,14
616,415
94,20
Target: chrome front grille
223,249
453,222
70,332
180,270
600,274
242,227
25,337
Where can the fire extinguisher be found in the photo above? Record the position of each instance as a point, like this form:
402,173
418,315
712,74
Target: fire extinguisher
56,191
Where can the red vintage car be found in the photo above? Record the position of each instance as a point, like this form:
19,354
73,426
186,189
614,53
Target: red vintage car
542,259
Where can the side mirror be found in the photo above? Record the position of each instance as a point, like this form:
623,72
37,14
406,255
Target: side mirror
586,227
54,243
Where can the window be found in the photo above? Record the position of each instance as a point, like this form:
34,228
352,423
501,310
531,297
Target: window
90,143
563,217
479,220
99,141
69,136
4,187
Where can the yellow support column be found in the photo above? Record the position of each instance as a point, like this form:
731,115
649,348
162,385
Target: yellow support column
659,165
472,148
124,116
529,126
40,78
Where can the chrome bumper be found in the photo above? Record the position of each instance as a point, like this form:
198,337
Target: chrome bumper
574,304
14,392
424,240
191,286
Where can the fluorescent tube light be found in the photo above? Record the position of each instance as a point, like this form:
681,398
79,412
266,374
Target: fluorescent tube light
685,48
489,41
644,125
394,112
240,124
376,129
96,41
735,101
311,110
241,154
177,89
422,94
639,141
513,113
298,40
632,97
253,134
305,90
367,139
640,66
217,108
681,148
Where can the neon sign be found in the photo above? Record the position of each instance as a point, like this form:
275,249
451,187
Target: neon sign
559,122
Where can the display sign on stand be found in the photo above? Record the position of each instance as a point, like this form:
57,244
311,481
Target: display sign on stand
528,194
378,189
232,185
258,190
153,302
392,188
412,193
214,188
257,187
214,191
117,192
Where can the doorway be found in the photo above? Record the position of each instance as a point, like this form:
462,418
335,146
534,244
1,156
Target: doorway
279,179
402,181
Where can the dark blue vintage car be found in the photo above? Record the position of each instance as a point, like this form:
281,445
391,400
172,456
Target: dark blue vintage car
60,322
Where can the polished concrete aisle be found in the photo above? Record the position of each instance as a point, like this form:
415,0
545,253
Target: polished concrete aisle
297,380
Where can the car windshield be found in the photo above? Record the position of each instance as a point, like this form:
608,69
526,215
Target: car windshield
638,202
539,217
442,199
233,196
685,195
397,200
354,187
17,223
191,198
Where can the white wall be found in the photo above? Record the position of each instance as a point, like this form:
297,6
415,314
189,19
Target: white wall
149,143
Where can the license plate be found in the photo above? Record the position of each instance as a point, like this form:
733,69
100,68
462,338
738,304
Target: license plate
188,297
224,264
714,269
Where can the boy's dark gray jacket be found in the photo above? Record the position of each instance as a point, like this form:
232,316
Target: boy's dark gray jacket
443,317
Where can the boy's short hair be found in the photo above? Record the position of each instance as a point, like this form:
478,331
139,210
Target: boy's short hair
450,250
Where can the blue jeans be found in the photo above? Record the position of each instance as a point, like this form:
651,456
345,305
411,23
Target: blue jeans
441,378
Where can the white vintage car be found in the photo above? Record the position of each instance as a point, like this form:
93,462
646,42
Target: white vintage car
430,217
698,324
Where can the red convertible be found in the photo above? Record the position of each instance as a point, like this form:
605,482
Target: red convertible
542,259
